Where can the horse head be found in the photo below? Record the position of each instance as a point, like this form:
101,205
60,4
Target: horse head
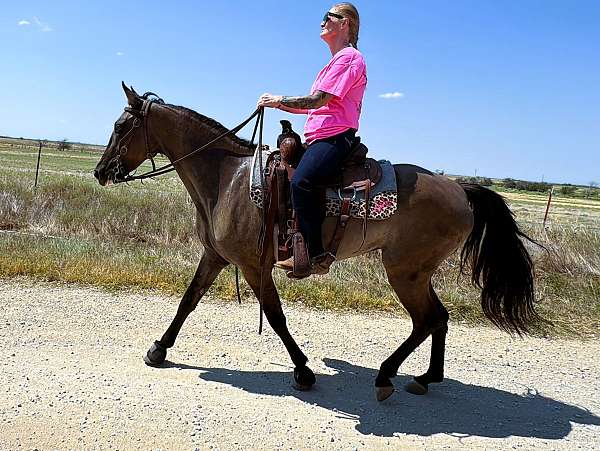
129,145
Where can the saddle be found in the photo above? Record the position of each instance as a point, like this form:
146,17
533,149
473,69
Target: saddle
359,173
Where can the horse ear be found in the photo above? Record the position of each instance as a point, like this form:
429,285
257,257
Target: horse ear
132,97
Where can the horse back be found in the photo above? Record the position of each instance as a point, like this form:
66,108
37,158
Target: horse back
432,197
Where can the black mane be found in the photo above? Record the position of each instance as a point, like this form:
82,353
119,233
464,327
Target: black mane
217,126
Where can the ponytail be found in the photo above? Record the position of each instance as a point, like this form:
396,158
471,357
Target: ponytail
349,11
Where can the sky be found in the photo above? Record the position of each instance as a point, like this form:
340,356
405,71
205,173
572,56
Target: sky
503,88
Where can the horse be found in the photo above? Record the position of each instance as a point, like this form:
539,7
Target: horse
435,216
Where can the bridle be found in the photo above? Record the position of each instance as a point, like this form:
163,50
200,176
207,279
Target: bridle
141,120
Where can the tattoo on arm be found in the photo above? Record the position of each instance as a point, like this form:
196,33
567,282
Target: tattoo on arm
316,100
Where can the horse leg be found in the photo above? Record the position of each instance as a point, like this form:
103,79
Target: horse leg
208,269
303,375
435,372
413,292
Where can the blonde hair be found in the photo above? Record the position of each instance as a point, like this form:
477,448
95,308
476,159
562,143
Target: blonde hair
349,11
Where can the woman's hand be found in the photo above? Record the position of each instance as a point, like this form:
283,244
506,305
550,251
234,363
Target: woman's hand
269,100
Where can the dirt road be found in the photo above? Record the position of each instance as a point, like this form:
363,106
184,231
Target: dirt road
72,376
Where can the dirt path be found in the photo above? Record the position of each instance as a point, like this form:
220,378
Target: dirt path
72,376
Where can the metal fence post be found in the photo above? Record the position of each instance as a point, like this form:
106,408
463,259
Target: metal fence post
548,207
37,169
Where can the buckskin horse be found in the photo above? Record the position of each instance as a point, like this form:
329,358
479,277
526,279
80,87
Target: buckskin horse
435,216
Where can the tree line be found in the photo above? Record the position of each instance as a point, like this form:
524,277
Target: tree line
540,187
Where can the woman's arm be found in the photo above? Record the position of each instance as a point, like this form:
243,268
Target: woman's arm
298,105
310,102
287,109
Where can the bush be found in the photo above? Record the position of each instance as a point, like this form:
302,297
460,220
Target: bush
541,187
484,181
567,190
64,145
524,185
509,183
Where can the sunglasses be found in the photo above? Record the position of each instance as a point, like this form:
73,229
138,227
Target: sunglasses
329,15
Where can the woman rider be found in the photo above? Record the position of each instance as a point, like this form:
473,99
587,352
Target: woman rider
333,110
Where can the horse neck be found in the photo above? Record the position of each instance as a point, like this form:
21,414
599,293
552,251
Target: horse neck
177,134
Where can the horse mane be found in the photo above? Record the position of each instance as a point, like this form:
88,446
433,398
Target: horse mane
216,126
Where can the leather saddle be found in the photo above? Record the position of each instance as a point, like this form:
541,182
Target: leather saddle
359,173
356,169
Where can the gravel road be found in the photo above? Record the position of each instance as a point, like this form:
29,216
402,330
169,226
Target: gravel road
72,376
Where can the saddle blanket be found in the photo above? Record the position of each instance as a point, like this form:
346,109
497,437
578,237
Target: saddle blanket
383,198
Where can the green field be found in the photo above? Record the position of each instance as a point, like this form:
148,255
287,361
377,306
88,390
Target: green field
141,236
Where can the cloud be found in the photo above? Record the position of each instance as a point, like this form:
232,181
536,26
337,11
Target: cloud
119,53
42,26
392,95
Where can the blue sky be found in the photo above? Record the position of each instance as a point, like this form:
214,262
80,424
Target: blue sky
504,88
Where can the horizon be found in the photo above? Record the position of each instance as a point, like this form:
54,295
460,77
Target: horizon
481,176
501,91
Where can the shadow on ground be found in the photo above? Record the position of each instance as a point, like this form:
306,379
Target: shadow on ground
451,408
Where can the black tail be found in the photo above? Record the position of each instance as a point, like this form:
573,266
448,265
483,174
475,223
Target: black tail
501,265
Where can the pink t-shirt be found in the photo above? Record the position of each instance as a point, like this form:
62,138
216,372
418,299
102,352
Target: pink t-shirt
345,77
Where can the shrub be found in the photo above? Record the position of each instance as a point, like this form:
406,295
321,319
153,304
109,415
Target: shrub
64,145
524,185
567,190
509,183
484,181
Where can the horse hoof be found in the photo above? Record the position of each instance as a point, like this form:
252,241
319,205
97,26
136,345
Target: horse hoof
384,393
304,378
156,355
416,388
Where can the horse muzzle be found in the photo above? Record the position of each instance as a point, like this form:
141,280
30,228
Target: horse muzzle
111,172
101,175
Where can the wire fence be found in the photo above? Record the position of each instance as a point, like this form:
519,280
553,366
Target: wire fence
574,213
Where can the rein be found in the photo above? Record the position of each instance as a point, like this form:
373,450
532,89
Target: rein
145,112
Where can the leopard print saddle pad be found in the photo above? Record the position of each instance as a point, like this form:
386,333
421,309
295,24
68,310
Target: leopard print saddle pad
383,198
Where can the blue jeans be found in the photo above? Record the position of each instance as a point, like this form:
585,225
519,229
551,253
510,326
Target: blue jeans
320,165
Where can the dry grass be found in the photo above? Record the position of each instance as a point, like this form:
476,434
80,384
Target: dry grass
141,236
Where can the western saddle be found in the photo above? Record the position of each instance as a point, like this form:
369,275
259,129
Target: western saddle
358,174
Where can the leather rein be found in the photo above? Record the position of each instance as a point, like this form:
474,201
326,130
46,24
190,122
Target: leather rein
141,120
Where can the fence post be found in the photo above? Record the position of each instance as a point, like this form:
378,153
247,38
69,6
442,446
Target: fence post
548,207
37,169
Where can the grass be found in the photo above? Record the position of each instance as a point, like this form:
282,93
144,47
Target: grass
141,236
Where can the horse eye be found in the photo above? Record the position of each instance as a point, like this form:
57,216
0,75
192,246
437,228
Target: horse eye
117,129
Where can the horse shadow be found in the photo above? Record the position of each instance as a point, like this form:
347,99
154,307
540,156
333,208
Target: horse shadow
451,408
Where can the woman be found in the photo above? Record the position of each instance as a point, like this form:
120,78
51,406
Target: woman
333,109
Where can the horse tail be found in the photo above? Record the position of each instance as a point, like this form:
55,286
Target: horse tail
500,263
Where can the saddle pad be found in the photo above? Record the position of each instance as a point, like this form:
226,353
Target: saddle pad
383,198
